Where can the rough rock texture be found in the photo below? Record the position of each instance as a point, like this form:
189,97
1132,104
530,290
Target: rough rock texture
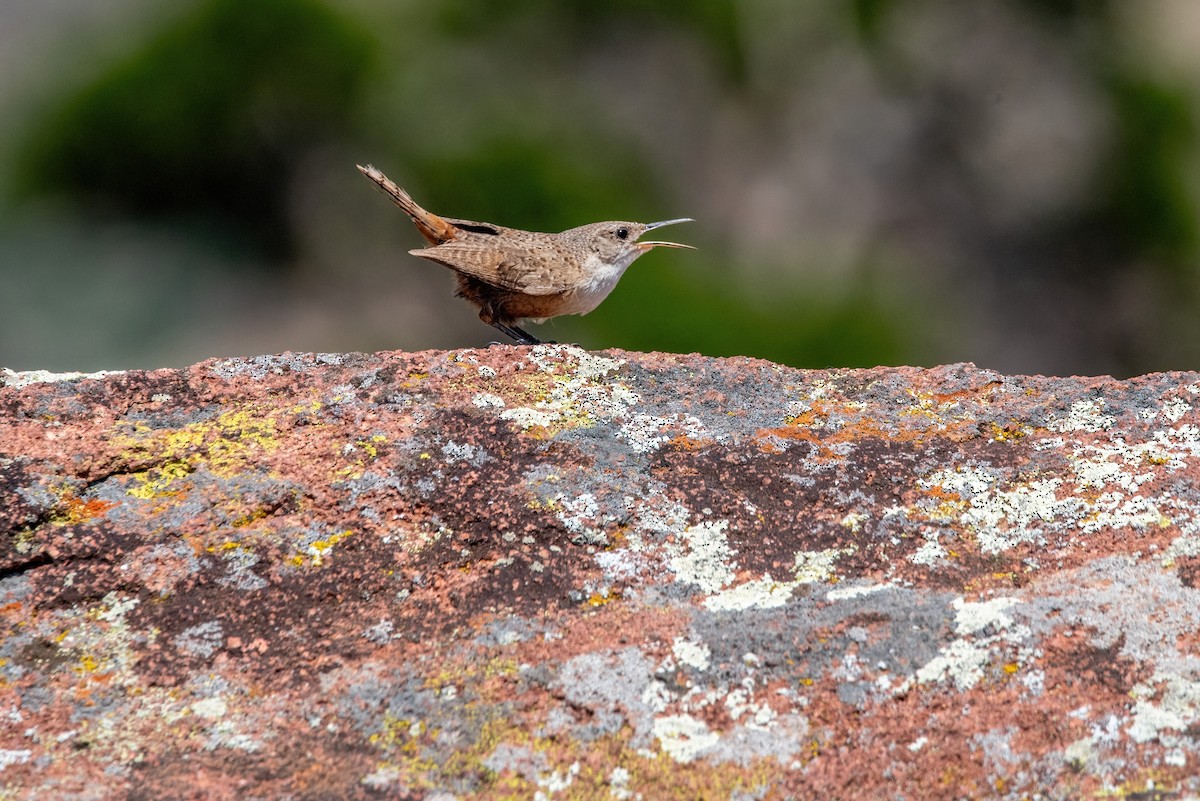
545,573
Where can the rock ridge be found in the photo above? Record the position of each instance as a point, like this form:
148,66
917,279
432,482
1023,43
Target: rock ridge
542,572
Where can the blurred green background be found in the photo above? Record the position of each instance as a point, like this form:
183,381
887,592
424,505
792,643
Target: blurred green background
1010,182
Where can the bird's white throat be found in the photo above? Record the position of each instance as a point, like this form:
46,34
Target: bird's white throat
601,278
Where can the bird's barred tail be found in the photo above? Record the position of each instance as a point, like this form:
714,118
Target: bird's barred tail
435,229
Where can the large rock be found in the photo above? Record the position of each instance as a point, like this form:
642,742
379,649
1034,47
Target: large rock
515,573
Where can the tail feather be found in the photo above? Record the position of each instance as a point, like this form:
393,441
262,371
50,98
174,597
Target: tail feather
435,229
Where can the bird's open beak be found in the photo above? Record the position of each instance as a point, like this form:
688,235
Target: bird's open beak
652,226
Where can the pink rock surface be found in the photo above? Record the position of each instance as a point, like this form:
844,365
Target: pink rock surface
501,573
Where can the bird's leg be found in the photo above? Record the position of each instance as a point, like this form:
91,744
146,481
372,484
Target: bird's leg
521,337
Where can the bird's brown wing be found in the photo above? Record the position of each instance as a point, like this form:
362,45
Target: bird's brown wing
500,266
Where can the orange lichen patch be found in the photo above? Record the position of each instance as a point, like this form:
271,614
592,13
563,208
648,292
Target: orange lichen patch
685,443
784,432
865,428
938,505
813,426
75,510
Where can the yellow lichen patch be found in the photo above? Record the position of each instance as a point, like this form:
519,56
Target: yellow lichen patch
1156,458
319,550
942,505
24,540
608,767
1010,432
543,505
501,666
156,482
224,447
925,405
363,451
396,733
247,518
368,446
601,599
306,408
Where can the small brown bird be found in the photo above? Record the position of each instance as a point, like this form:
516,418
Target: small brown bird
513,275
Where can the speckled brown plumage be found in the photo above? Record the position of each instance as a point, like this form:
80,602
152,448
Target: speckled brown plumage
510,274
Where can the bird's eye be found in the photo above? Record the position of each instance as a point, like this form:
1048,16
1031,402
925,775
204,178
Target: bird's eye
622,233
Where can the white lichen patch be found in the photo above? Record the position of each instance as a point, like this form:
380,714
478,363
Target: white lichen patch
17,380
692,653
1104,486
618,784
1165,706
528,418
555,782
931,552
486,400
986,636
853,521
582,391
705,558
14,756
1085,415
973,617
1175,408
683,737
465,452
811,567
647,432
1005,518
643,432
578,515
212,708
202,640
764,593
1185,546
757,726
815,566
848,593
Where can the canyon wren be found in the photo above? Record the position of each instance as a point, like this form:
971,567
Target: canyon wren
513,275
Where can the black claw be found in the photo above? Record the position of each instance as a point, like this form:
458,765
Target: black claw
519,336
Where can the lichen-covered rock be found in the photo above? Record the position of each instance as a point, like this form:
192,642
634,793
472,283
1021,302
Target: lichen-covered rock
541,572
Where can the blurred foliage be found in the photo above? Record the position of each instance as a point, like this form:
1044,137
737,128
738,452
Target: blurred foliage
551,185
205,123
807,138
680,312
1150,205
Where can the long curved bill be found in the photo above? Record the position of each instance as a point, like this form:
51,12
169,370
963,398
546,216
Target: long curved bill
653,225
